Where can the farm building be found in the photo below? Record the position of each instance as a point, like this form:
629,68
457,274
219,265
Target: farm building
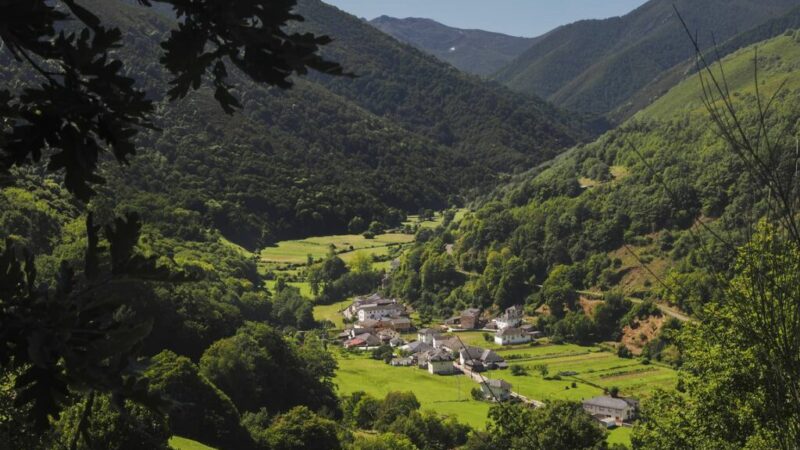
469,319
416,347
440,362
478,359
377,312
620,408
427,335
365,340
509,336
512,317
351,312
496,390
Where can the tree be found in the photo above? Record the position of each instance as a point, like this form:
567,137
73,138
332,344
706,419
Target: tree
80,107
301,429
198,409
200,48
558,426
357,225
361,263
396,404
737,379
113,427
384,441
258,368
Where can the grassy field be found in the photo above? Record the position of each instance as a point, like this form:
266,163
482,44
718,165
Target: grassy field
777,63
305,288
447,395
331,312
297,251
179,443
596,369
620,435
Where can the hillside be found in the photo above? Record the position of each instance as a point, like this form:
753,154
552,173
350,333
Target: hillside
489,124
596,66
588,221
308,160
667,80
477,52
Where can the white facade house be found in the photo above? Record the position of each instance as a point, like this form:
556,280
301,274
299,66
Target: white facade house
377,312
427,335
440,362
619,408
510,336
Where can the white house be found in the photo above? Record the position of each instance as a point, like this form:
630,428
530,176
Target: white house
351,312
440,362
509,336
377,312
427,335
512,317
496,390
620,408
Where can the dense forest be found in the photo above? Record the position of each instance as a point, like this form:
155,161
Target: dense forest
477,52
620,213
142,168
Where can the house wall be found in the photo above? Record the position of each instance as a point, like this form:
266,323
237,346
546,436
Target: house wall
622,414
468,322
440,367
509,340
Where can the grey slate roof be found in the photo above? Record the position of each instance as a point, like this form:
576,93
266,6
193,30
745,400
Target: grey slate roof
439,355
606,401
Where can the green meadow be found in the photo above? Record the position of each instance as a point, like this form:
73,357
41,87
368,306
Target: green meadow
446,395
332,313
296,252
179,443
596,370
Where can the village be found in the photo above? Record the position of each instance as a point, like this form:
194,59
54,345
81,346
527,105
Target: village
377,323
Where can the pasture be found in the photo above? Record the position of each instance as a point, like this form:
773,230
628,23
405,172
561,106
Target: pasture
179,443
332,312
596,370
296,252
446,395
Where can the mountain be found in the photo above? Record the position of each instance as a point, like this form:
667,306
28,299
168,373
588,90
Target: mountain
474,51
487,123
670,78
595,66
622,212
308,160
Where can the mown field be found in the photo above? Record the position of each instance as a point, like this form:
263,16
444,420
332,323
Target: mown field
179,443
595,369
332,312
447,395
296,252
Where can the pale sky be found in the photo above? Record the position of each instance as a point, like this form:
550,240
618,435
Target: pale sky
515,17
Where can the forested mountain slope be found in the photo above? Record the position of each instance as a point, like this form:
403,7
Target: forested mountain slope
489,124
667,80
597,65
474,51
620,213
308,160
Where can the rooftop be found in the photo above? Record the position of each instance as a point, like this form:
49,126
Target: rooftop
606,401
